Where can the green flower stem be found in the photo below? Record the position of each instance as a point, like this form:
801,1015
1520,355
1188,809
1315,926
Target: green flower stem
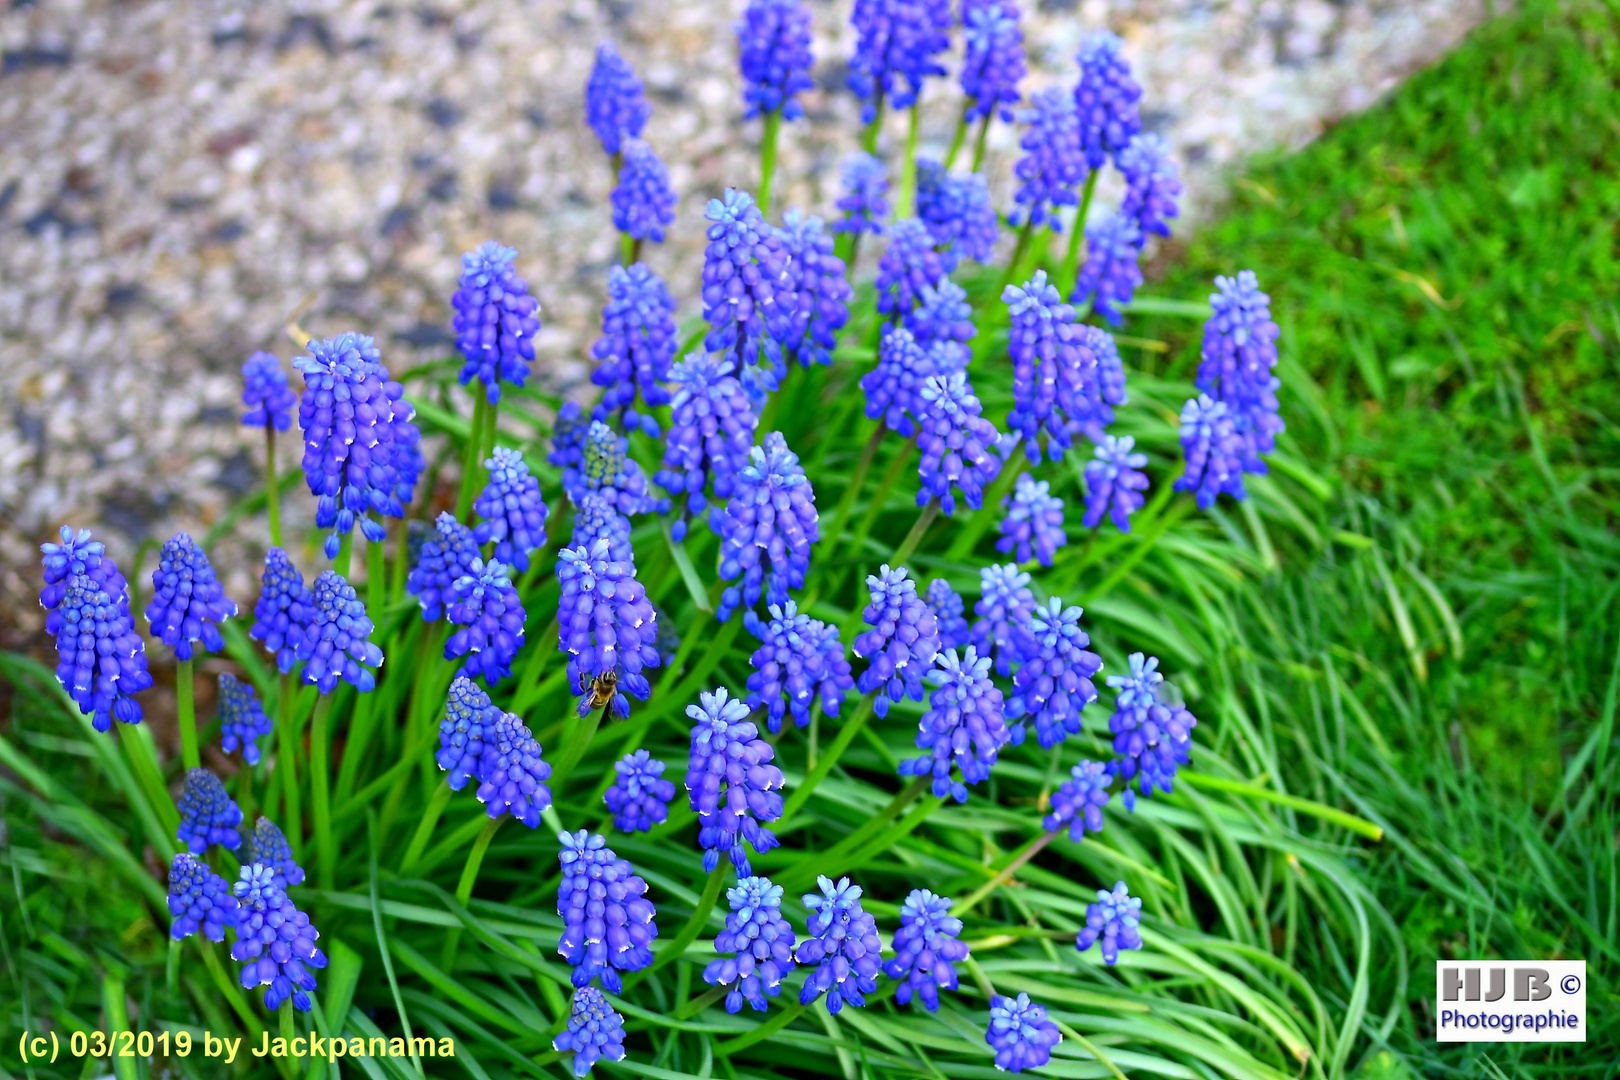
376,581
396,584
1026,853
979,143
272,490
905,201
186,711
287,766
853,489
320,786
890,478
846,735
1019,251
171,969
286,1017
345,555
486,446
469,460
869,137
700,917
1071,258
1090,1048
767,158
577,739
976,526
908,546
1360,826
958,138
355,748
867,829
113,1003
627,249
770,1027
424,829
980,979
464,888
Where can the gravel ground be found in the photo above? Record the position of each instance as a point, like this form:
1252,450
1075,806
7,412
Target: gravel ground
177,176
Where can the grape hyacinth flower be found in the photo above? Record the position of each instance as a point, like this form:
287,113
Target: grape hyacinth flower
771,518
727,750
1033,526
1105,99
956,443
284,609
596,519
902,643
267,845
568,443
1054,370
639,797
643,202
746,299
485,604
1052,163
265,393
1239,352
595,1031
512,775
514,513
337,642
199,899
957,211
821,294
274,941
1053,683
947,607
1005,603
1113,919
710,434
609,470
445,559
608,924
927,949
942,314
964,725
1152,735
188,601
893,388
101,659
907,266
1115,482
762,941
495,319
993,64
1091,408
469,719
773,56
865,201
207,814
1152,184
78,553
1110,275
798,659
1079,802
843,946
1020,1033
615,106
896,43
1213,450
636,346
606,624
241,718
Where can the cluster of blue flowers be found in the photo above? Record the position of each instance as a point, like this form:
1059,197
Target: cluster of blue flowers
636,346
770,520
799,662
730,781
495,319
101,659
608,923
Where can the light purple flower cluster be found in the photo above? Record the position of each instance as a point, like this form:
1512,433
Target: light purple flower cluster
1033,527
265,392
1152,184
606,624
771,519
495,319
942,314
710,434
865,201
636,346
893,388
1115,482
199,899
445,559
730,781
993,64
1079,802
843,945
275,942
907,265
957,211
1105,99
1005,603
207,814
608,923
468,719
643,201
1053,683
1056,384
746,299
1110,275
485,605
101,659
927,949
514,513
639,797
607,469
337,640
188,602
284,609
615,107
821,294
902,643
267,845
1020,1033
1213,450
1152,735
964,726
511,773
896,42
1239,353
568,445
798,659
957,443
1052,163
947,607
762,941
241,717
773,56
596,519
1113,919
595,1031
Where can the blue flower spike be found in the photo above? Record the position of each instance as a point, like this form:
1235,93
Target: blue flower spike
1115,482
1213,451
199,899
242,721
594,1032
711,434
1056,371
730,781
993,63
1239,353
865,198
639,797
947,607
821,292
1152,184
337,643
897,42
774,57
762,941
1110,275
1005,603
275,942
1053,682
964,727
843,947
927,949
514,514
608,923
511,774
908,265
269,846
207,814
636,347
1020,1033
1105,99
1053,162
902,642
495,319
1112,920
445,559
771,522
1079,802
957,444
188,602
283,611
101,659
1152,731
1033,527
489,616
957,210
615,106
268,399
747,299
606,625
799,660
643,202
468,723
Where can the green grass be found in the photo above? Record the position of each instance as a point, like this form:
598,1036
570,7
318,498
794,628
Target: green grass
1411,622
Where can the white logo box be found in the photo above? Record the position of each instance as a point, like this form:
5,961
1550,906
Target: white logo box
1510,1000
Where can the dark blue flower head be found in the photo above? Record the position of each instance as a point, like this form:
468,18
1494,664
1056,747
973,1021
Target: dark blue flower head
843,946
957,211
895,49
1020,1033
597,519
514,513
469,719
207,814
730,781
1005,603
1105,99
639,797
1115,482
1033,526
747,299
568,441
608,922
636,346
485,605
902,643
957,443
964,725
267,845
1055,370
1213,450
275,942
495,319
710,434
188,602
1152,184
241,717
1079,802
865,201
606,624
615,106
284,609
78,553
607,469
101,659
337,642
1088,404
1152,731
773,55
821,294
1052,163
798,658
893,389
926,948
1114,919
1240,349
907,265
762,941
942,314
643,201
595,1031
770,520
512,775
1110,275
1053,683
445,559
994,63
265,392
947,607
199,899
